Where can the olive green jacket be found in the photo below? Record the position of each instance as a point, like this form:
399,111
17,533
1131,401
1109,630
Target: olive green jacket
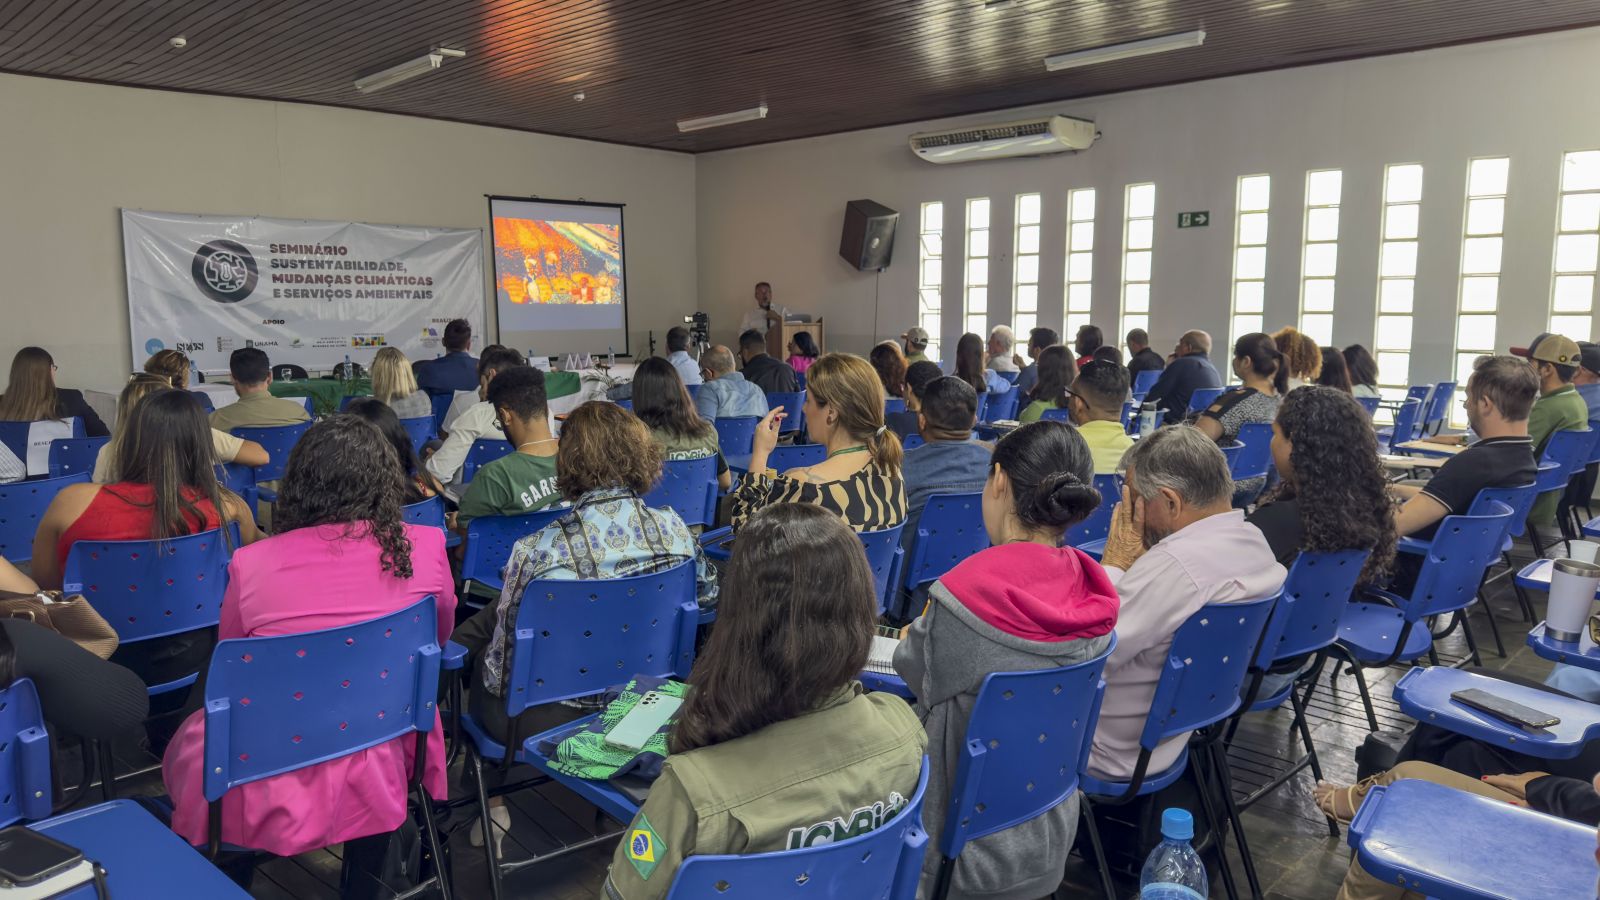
831,774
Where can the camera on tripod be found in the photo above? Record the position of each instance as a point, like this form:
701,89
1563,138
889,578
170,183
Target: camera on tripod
699,329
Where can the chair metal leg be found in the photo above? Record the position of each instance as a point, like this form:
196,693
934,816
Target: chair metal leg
1300,725
1361,682
1219,835
108,770
441,872
1494,627
1466,630
1219,765
941,884
1100,864
1523,601
488,824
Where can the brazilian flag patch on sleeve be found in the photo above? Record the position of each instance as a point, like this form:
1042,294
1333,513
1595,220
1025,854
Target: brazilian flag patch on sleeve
645,848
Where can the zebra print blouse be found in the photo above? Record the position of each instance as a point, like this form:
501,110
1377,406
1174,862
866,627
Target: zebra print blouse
869,500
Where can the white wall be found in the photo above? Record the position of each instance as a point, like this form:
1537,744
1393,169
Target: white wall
73,154
774,212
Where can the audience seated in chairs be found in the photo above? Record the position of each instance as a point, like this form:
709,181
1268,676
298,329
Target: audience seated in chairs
1265,372
32,396
970,367
803,351
1140,357
891,365
256,407
1302,357
919,375
662,402
725,394
456,370
1039,339
166,486
463,400
1056,371
419,484
950,462
915,346
342,555
1095,404
1560,407
761,370
1002,348
478,421
860,481
678,339
394,384
1084,344
1189,369
525,479
225,446
777,748
1335,373
1025,603
1176,544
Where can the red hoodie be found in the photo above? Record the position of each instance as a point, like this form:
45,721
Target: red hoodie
1036,592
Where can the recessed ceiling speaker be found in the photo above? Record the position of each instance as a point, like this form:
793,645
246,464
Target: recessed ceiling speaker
868,238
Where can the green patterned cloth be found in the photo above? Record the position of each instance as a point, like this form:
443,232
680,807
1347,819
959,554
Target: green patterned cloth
586,753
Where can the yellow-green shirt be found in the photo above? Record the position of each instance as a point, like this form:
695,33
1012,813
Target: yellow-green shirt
1107,442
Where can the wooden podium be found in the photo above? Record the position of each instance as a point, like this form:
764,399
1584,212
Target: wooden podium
779,335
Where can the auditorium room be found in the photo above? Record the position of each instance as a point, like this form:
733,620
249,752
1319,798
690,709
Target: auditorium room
498,449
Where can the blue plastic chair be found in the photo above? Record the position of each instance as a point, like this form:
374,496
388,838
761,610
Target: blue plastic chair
69,456
482,452
689,488
1569,450
694,389
22,505
15,435
489,543
886,557
25,782
1199,688
240,479
1095,528
1452,845
1254,459
1202,398
1404,428
885,862
1144,381
1009,376
204,399
1437,408
440,404
1001,406
1370,404
912,441
793,404
1380,634
281,704
575,638
795,456
736,434
950,530
894,405
277,440
626,403
1055,414
420,429
424,512
1425,694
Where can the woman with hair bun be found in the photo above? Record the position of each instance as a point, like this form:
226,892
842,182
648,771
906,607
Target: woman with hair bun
1025,603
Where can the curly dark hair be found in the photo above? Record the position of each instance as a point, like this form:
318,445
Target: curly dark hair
1343,493
605,446
344,471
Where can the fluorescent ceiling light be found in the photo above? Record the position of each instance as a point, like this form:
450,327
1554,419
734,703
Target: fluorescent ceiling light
743,115
1125,51
393,75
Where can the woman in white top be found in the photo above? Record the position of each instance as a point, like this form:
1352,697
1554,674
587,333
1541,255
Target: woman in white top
226,447
1363,371
394,384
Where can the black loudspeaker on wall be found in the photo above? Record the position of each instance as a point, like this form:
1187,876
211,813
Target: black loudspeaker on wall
868,238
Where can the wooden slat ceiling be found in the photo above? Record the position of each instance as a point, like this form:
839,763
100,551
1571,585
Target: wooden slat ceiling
821,66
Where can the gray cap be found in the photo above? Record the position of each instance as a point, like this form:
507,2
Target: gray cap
917,335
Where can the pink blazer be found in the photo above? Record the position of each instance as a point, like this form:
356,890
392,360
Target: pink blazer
305,580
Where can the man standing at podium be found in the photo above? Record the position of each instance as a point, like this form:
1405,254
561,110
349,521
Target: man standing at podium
766,314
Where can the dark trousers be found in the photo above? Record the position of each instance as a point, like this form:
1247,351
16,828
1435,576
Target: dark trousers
1474,758
475,634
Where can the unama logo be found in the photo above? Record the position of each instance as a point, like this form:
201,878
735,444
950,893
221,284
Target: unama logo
224,271
153,346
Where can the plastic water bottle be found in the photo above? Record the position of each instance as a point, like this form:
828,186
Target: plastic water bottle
346,373
1173,871
1147,419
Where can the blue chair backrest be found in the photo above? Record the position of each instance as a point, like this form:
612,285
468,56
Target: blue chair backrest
885,555
278,704
69,456
1009,376
1254,460
950,530
1206,666
1314,599
626,403
694,390
1203,398
490,539
736,434
1370,404
22,505
482,452
204,399
1438,407
1405,424
794,456
1026,744
886,862
277,440
792,404
1098,523
441,405
894,405
420,429
581,636
688,487
15,435
25,780
1518,499
800,380
1594,449
424,512
1054,414
1144,381
1001,406
153,588
979,411
1569,450
240,479
1462,547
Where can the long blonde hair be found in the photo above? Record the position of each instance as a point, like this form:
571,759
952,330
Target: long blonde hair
171,365
391,376
31,393
849,385
139,386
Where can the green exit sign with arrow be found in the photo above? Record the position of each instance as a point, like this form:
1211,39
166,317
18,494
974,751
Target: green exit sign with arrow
1198,219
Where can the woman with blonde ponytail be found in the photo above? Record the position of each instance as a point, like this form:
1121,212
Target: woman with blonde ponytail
860,478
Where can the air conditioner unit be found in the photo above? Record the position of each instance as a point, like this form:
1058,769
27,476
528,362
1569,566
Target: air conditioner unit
1030,137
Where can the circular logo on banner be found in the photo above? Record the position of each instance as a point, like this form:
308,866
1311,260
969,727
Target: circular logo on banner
224,271
154,346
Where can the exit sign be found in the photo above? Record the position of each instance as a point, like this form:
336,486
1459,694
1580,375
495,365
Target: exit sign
1198,219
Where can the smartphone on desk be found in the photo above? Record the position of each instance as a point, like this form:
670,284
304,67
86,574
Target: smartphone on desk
28,858
1507,710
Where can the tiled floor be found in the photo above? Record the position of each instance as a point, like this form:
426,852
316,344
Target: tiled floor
1295,857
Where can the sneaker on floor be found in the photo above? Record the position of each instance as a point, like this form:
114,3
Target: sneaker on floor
501,816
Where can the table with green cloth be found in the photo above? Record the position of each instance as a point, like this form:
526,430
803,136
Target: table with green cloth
325,393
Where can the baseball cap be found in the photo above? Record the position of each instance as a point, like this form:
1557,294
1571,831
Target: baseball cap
915,336
1550,348
1590,356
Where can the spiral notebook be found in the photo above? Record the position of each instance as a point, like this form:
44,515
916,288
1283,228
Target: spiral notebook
880,657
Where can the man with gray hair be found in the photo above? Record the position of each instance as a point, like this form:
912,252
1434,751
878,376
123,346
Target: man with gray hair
1190,369
725,393
1002,356
1176,544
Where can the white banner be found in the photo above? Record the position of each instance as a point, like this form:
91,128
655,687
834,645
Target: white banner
309,293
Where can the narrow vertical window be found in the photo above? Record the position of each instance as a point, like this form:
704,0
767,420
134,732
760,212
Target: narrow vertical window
1138,250
1577,246
1250,256
976,306
1397,277
1319,257
1080,258
1478,300
930,277
1025,277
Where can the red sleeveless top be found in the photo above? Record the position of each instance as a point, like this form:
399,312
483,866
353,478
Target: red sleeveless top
126,511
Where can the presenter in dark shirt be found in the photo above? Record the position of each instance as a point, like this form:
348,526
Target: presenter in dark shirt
1190,370
456,370
773,376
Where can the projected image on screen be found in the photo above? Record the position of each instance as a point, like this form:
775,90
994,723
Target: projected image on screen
559,273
